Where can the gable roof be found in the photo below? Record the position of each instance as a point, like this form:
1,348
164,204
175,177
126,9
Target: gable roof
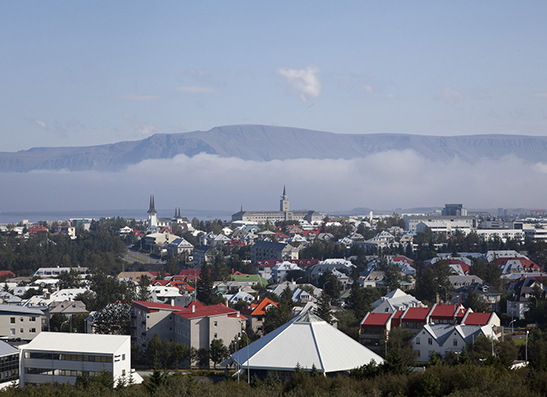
259,309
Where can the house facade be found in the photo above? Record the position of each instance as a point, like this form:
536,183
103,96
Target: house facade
63,357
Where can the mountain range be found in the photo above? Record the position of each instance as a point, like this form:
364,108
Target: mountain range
266,143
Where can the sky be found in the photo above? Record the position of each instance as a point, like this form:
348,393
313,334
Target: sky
89,73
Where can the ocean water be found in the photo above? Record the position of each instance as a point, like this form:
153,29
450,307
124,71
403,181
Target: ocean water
36,216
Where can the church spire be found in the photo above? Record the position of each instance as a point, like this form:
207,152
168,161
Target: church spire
152,209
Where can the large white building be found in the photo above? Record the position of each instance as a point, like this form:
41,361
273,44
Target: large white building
62,357
284,214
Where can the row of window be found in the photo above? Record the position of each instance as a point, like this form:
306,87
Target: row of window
70,357
60,372
12,319
430,341
22,331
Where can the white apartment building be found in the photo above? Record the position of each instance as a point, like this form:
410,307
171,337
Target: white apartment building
62,357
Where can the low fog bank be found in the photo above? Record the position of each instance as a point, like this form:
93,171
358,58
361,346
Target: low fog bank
382,181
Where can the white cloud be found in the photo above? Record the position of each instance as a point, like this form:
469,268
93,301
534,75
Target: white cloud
449,95
303,81
136,97
194,89
542,94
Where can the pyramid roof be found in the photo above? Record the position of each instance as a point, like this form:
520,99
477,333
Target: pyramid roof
307,341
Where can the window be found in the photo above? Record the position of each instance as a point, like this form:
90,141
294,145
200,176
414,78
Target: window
418,340
12,331
33,319
455,342
215,336
123,358
12,320
21,330
215,323
32,330
429,341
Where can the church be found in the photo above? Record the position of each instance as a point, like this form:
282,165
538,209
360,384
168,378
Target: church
284,214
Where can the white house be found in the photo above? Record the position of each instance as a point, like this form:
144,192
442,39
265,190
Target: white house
444,338
62,357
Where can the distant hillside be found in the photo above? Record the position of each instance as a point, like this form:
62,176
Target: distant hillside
265,143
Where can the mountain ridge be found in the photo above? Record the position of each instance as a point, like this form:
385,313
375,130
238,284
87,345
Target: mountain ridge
267,143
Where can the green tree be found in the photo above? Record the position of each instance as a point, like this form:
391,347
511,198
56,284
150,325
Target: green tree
114,319
476,303
205,292
217,352
144,294
323,308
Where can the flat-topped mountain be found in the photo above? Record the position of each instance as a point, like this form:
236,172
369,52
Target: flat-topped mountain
265,143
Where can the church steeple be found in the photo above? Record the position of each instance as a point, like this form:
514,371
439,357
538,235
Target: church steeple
152,218
152,209
284,203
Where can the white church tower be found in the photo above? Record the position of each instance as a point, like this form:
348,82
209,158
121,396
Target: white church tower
152,214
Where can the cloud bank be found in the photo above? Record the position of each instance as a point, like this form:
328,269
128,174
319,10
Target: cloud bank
386,180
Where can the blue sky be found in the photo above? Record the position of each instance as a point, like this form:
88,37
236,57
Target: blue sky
81,73
77,73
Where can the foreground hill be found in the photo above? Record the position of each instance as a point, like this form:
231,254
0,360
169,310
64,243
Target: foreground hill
265,143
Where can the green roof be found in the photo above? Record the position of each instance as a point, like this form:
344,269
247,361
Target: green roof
255,278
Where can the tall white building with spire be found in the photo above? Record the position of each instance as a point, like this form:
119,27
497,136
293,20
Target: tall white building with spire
152,214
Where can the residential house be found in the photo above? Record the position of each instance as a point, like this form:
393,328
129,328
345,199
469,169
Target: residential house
262,250
445,338
484,292
179,246
256,313
395,300
195,325
19,322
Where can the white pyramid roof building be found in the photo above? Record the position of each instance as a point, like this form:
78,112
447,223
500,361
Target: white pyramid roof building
306,341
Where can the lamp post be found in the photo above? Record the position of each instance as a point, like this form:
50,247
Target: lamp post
511,325
445,292
526,349
248,359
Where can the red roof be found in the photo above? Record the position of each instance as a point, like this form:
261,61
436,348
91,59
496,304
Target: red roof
444,311
163,283
478,318
204,311
396,319
8,273
37,228
189,272
463,265
416,314
376,320
402,259
157,306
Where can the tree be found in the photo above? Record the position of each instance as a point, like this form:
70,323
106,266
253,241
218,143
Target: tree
217,352
144,294
323,308
205,293
69,279
474,302
114,319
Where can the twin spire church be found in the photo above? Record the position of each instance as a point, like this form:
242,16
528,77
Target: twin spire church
284,214
155,223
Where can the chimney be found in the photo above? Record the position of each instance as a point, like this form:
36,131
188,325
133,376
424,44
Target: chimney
172,302
193,308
